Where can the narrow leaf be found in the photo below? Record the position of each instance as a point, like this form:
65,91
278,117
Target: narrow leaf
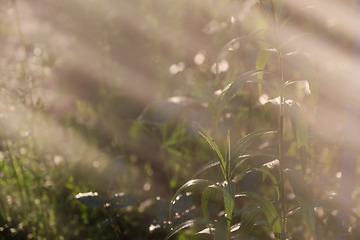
205,200
227,157
193,182
230,90
229,196
265,172
262,59
207,166
213,145
239,147
189,223
240,164
188,184
299,123
248,221
269,210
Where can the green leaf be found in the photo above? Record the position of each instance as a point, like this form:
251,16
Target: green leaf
91,199
205,197
303,159
229,196
188,184
205,200
269,210
261,61
230,90
304,199
193,182
272,178
227,157
189,223
240,163
240,146
299,123
265,172
249,219
210,140
207,166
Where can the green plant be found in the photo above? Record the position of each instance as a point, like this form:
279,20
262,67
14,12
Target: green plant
241,219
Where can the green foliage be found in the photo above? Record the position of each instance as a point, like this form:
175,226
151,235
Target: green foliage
235,161
111,96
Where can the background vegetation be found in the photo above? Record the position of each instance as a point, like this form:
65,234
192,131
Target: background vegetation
100,97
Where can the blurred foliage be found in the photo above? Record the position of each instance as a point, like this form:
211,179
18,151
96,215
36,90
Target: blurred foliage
100,96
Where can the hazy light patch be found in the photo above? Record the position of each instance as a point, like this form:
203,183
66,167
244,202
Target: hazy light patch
50,136
214,27
263,99
245,10
221,66
176,68
58,159
147,187
96,164
199,58
306,87
220,91
338,175
37,52
10,11
177,99
23,151
342,16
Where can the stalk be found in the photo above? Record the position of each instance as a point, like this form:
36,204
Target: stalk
281,124
281,151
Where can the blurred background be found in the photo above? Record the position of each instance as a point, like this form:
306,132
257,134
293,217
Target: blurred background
100,96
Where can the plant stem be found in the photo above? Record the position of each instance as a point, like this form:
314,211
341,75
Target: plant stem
281,150
281,124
